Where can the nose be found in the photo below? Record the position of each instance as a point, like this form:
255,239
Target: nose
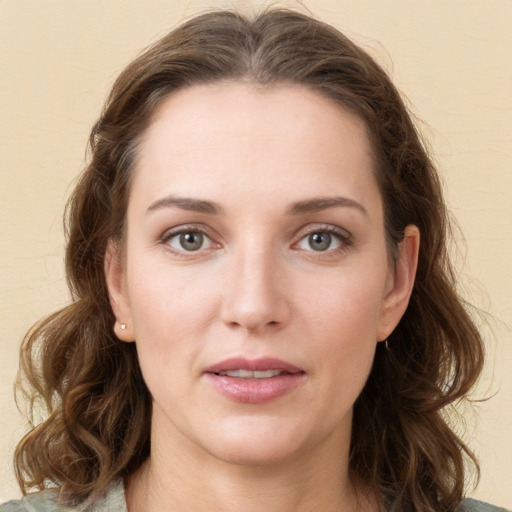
255,295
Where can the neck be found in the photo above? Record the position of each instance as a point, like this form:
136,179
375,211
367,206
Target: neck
248,489
179,480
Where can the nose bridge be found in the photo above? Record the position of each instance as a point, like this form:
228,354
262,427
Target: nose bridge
254,295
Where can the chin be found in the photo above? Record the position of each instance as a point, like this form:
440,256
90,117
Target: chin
254,454
256,444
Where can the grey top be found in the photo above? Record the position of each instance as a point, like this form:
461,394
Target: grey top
46,501
478,506
114,501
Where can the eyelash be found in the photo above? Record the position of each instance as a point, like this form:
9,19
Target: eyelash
180,230
343,237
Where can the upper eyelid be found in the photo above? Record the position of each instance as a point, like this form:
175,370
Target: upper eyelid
183,228
321,227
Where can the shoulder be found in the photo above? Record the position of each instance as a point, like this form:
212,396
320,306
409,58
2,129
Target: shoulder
46,501
479,506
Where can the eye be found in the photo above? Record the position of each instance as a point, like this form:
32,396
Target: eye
322,241
189,241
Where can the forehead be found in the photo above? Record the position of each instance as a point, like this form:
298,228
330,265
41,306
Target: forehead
247,108
206,138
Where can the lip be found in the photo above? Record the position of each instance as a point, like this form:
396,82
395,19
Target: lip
254,391
260,364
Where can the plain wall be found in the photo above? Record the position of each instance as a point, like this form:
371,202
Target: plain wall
452,59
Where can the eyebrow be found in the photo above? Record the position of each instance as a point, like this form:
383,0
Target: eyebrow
318,204
186,203
313,205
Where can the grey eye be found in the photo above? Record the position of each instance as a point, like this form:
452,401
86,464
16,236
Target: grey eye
188,241
319,241
191,241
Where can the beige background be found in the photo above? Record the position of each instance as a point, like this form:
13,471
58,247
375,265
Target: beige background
453,59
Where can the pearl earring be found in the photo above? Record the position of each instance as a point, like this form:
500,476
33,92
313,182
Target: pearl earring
123,327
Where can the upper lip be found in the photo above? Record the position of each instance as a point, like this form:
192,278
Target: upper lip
260,364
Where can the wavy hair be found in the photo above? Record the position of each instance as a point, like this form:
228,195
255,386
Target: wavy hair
98,407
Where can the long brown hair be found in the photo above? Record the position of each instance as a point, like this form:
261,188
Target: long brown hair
99,409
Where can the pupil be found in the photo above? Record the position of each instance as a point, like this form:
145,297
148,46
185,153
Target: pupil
191,241
320,241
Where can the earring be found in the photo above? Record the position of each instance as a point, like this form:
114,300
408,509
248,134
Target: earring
123,327
386,345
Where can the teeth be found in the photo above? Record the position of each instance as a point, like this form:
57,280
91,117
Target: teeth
247,374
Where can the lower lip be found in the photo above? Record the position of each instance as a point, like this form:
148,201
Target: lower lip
255,391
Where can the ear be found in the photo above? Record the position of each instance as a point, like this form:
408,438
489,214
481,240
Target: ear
117,292
401,282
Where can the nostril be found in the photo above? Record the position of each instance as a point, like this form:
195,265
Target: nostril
254,306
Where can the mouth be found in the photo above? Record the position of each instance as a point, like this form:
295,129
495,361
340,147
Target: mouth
254,381
248,374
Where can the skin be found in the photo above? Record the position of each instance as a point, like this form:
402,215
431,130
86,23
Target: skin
255,288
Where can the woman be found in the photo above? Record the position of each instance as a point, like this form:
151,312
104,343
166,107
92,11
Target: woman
264,312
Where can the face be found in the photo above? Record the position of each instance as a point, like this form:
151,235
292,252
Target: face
256,279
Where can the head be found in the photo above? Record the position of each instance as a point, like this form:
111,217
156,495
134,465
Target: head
434,352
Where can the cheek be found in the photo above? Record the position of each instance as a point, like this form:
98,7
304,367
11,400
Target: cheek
166,298
169,334
170,317
344,319
350,302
